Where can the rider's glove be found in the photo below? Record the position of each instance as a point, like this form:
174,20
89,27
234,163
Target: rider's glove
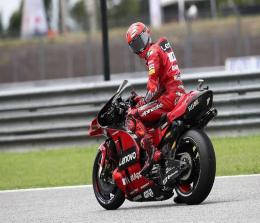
141,102
133,112
138,98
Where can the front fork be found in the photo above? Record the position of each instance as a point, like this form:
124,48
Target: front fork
107,152
103,150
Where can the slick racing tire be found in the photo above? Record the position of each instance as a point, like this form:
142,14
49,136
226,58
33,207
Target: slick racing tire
108,195
196,183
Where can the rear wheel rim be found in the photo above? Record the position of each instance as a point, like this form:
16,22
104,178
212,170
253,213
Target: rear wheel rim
187,186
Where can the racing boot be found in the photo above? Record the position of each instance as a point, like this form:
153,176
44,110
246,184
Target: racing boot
136,126
148,146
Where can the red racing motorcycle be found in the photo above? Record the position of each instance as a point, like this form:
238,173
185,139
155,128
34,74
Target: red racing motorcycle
187,159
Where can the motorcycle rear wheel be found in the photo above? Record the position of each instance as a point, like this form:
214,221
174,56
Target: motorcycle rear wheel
196,183
108,195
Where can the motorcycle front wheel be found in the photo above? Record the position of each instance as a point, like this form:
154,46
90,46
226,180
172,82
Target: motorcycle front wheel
196,182
108,195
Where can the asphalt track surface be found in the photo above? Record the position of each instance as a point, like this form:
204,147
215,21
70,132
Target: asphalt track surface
232,199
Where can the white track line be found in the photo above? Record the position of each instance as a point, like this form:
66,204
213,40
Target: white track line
45,188
88,186
236,176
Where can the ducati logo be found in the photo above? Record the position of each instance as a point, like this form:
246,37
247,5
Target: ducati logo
193,105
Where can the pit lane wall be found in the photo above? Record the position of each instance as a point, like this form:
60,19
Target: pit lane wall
58,115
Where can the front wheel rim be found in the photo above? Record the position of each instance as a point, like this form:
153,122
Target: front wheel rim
105,191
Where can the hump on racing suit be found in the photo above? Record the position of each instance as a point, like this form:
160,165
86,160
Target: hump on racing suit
164,81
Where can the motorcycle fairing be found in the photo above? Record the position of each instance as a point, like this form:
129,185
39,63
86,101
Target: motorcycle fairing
193,104
128,179
127,176
157,134
95,129
200,104
181,107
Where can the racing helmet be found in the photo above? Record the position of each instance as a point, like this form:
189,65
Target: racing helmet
138,37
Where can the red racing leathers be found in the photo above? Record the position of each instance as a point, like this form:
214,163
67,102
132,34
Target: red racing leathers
164,88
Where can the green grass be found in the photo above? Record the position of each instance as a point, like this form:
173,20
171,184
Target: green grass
46,168
73,166
237,155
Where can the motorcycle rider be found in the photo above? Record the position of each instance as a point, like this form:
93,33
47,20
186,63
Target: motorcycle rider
164,86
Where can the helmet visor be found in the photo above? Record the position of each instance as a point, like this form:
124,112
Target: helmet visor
139,43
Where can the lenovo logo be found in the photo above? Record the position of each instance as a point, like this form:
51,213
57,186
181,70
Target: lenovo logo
128,158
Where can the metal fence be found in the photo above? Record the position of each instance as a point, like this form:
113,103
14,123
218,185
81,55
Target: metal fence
58,115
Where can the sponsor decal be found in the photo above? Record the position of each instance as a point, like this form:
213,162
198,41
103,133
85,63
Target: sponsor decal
125,181
176,101
208,101
133,31
114,133
145,185
151,110
134,191
148,193
177,77
138,197
151,72
128,158
179,93
165,180
135,176
166,188
159,198
164,125
151,66
146,105
149,53
171,57
166,46
176,67
193,105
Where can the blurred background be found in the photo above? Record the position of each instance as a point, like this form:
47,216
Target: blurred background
52,39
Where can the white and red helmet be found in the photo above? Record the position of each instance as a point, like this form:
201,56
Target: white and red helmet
138,37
